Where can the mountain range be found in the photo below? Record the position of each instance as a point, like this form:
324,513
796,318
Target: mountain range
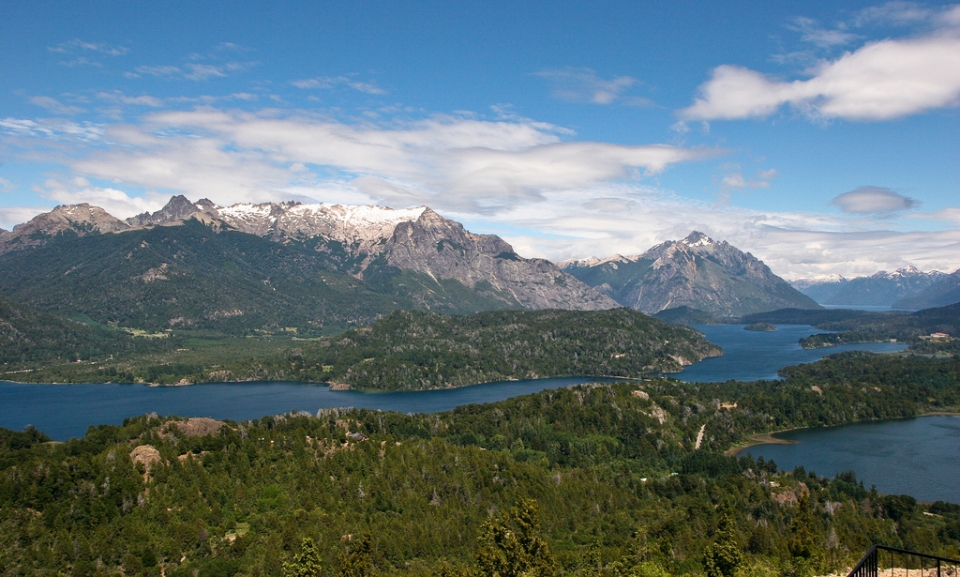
320,268
905,288
270,267
696,272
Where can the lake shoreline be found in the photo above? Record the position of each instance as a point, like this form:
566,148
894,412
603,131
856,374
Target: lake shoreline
760,439
770,438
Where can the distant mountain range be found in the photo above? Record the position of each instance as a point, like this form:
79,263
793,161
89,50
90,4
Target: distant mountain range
906,288
318,269
697,272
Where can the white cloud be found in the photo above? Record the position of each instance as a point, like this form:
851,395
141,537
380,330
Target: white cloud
11,216
895,13
203,71
452,163
121,98
116,202
811,31
329,82
189,71
879,81
736,180
873,200
548,194
583,85
55,106
50,128
78,45
948,214
159,71
629,219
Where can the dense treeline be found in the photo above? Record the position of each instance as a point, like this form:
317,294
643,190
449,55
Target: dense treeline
617,480
861,326
29,337
417,350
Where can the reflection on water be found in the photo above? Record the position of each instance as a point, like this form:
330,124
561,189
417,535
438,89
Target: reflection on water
918,457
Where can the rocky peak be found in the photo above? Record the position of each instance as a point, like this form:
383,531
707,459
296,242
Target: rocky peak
442,249
696,239
80,219
178,209
697,272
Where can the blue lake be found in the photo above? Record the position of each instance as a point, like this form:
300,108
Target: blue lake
64,411
758,355
918,457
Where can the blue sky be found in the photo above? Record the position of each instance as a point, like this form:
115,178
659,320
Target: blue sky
822,137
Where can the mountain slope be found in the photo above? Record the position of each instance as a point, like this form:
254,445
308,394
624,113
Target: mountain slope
881,289
945,291
696,272
271,267
28,335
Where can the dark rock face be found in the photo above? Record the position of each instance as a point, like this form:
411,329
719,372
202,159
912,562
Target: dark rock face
696,272
178,209
442,248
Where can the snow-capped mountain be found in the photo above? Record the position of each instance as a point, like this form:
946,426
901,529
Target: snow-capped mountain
697,272
409,258
879,289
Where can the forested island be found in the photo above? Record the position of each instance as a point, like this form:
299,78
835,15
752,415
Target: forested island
622,479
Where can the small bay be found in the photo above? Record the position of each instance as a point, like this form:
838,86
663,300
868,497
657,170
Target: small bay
917,457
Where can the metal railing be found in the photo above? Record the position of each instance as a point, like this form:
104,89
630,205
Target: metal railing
924,564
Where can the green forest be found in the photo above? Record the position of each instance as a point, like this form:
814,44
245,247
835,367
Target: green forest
613,480
850,326
407,350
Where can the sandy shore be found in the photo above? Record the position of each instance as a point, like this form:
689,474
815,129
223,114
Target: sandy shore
759,439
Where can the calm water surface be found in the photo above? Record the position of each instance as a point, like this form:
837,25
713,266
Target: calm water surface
918,457
757,355
64,411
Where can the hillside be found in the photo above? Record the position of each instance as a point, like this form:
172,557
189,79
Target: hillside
409,350
190,277
696,272
28,336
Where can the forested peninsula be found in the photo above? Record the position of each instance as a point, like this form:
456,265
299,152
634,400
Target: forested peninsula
408,350
614,480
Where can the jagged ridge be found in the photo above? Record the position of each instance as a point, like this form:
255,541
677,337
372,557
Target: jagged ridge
695,272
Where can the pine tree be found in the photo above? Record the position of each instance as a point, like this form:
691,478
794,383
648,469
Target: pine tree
306,563
511,546
723,556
